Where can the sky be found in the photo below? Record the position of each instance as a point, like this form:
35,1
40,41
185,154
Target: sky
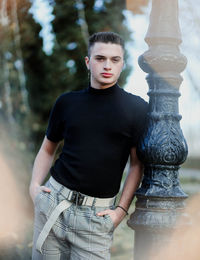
189,102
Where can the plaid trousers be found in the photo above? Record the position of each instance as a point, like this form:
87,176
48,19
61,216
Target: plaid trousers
78,233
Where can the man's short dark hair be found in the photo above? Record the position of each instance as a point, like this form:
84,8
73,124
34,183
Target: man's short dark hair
105,37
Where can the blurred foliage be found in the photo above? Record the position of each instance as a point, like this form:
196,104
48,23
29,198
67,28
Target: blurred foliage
31,80
192,163
22,67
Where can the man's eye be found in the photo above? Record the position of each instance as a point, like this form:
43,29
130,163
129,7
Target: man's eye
100,58
116,60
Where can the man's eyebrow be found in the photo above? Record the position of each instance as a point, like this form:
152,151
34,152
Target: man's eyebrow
102,56
99,56
116,57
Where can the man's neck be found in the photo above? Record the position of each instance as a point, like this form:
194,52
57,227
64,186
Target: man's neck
102,86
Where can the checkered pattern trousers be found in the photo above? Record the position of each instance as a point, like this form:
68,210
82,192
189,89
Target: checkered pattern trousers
78,233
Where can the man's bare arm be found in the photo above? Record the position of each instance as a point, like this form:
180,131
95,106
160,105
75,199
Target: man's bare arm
131,184
132,181
41,167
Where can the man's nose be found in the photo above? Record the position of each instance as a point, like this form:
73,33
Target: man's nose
107,65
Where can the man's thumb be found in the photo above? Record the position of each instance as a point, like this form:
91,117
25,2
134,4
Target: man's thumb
46,189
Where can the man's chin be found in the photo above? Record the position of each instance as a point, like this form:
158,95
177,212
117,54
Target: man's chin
107,83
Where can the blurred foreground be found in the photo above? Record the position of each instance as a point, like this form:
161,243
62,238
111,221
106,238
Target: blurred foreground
16,212
184,243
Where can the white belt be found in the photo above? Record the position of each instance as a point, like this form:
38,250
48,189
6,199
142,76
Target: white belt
69,198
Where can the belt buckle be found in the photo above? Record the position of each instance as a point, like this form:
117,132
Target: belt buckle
77,198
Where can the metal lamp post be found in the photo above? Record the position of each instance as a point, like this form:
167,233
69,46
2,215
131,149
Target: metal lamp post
160,199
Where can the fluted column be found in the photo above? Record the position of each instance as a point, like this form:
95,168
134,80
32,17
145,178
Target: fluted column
160,200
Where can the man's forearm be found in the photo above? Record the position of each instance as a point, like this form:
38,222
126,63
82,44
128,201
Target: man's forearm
41,167
131,184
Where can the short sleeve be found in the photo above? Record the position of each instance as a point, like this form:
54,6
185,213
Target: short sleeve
140,120
54,130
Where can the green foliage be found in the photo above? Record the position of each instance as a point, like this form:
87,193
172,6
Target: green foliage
69,50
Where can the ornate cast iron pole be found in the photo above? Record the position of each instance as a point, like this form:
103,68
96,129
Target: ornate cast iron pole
160,200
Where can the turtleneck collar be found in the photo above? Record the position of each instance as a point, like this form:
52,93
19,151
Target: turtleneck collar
103,91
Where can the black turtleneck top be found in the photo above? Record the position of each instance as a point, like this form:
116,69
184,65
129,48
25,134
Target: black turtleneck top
99,126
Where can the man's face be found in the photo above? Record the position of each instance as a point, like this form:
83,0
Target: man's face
105,64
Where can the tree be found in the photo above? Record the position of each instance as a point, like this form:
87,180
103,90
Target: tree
22,65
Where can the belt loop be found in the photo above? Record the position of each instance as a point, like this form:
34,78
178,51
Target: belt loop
114,202
60,190
77,196
94,202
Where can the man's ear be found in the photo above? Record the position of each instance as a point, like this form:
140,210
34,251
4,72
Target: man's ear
87,61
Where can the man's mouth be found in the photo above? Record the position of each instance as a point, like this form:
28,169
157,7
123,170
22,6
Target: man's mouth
106,75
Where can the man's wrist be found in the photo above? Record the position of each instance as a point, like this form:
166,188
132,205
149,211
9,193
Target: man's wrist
121,214
123,209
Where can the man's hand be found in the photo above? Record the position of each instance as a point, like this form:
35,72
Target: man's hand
36,189
116,215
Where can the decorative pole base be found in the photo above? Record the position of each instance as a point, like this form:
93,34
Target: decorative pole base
153,221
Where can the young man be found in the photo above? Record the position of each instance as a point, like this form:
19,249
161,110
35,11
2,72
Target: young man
75,214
